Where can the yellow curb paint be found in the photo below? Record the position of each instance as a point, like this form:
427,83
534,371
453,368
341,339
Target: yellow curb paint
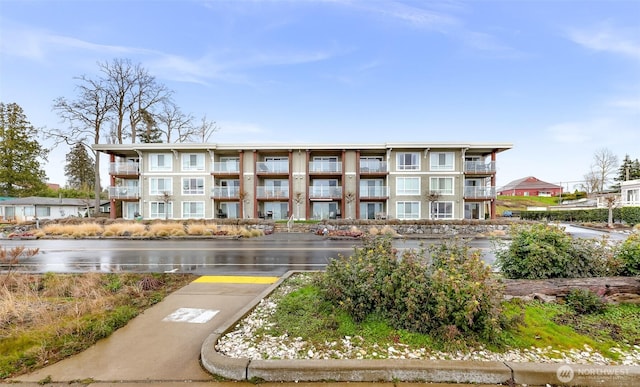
230,279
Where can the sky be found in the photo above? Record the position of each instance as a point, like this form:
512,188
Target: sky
559,80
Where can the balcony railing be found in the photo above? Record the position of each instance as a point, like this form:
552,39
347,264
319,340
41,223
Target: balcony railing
325,192
479,192
226,167
225,192
126,168
278,167
124,192
325,166
374,192
264,192
479,167
373,166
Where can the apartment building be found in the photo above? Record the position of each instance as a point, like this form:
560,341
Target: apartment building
282,181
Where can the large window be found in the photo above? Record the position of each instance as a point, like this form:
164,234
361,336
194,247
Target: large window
160,210
160,186
408,210
193,210
160,162
442,161
442,210
408,161
193,186
441,185
43,211
407,186
193,162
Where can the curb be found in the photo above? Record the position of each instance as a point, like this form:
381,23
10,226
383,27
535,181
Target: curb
413,370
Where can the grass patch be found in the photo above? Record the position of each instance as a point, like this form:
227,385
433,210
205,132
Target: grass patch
45,318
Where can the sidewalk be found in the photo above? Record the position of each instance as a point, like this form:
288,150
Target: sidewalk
169,344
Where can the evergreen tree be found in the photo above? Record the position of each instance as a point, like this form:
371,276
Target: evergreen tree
151,133
20,171
629,170
80,168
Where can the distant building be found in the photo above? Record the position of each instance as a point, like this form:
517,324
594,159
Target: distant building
530,186
30,208
630,193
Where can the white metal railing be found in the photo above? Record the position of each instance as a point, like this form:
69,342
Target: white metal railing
123,192
267,192
479,192
374,192
325,166
226,167
123,168
479,167
325,192
273,166
225,192
369,166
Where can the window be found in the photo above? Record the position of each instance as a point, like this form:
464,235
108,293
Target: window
442,210
193,210
408,161
372,164
160,210
229,164
408,210
407,186
160,162
193,162
160,186
43,211
441,185
28,211
193,186
442,161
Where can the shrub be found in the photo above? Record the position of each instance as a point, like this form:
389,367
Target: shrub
629,254
541,251
584,301
444,289
124,228
166,229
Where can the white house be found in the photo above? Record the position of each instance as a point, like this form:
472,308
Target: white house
30,208
630,193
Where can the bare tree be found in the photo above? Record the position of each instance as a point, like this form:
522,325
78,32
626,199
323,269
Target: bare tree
591,183
610,200
86,117
205,129
173,122
605,164
145,94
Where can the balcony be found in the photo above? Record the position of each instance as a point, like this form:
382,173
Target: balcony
479,167
264,192
225,192
324,192
479,192
226,168
374,192
124,169
124,192
325,167
273,167
373,167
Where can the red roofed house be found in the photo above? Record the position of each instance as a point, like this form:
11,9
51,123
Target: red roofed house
530,186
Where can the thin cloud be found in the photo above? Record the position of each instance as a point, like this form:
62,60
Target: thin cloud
607,38
631,104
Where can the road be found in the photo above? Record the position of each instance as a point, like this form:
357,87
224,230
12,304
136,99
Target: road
256,256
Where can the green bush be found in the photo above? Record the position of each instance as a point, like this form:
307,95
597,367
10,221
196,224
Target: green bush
629,254
584,301
445,289
628,215
543,251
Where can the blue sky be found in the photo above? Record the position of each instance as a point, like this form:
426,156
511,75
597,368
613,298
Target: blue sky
558,79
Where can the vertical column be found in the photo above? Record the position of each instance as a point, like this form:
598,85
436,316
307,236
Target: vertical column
112,183
306,187
290,200
493,184
344,185
255,183
241,190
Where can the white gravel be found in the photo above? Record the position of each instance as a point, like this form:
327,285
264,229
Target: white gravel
245,341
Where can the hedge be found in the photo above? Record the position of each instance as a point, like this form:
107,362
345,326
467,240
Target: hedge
628,215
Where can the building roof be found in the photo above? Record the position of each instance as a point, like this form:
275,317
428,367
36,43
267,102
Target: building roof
131,150
529,182
44,201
